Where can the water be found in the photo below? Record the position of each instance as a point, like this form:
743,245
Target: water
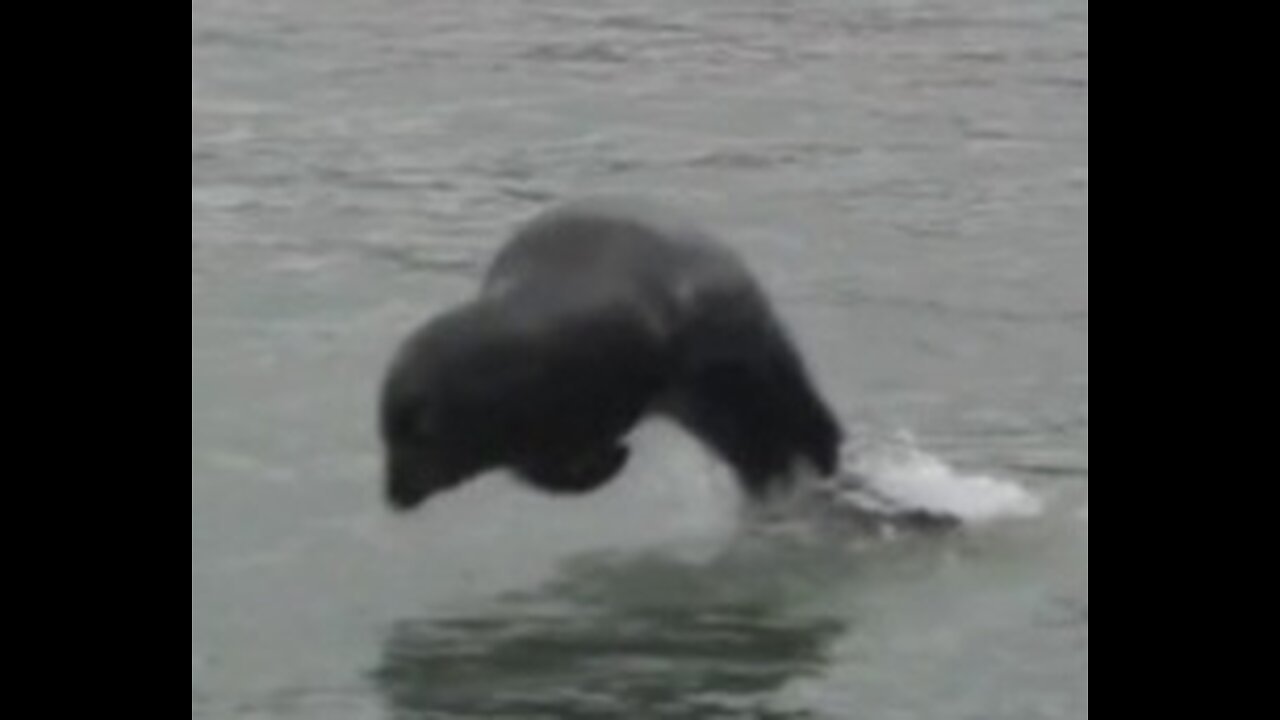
910,179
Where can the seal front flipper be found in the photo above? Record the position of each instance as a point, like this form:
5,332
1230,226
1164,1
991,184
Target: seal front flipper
759,412
580,474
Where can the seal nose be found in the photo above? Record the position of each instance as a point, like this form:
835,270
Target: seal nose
403,499
408,484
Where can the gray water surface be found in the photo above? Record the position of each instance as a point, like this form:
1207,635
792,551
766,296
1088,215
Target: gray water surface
909,178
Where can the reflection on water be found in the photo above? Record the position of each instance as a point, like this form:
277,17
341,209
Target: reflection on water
648,636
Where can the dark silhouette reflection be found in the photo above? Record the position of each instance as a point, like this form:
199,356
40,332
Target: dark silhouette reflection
646,637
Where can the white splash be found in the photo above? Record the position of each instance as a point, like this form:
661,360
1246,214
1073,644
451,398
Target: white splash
901,477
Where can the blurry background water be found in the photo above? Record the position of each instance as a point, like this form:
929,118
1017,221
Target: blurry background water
909,178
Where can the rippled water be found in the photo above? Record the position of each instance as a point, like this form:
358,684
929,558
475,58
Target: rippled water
910,179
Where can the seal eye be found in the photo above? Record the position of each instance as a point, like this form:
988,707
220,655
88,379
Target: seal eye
404,424
421,428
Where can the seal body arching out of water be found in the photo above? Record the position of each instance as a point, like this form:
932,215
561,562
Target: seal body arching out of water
594,316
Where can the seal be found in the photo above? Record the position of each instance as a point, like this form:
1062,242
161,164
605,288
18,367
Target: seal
594,316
